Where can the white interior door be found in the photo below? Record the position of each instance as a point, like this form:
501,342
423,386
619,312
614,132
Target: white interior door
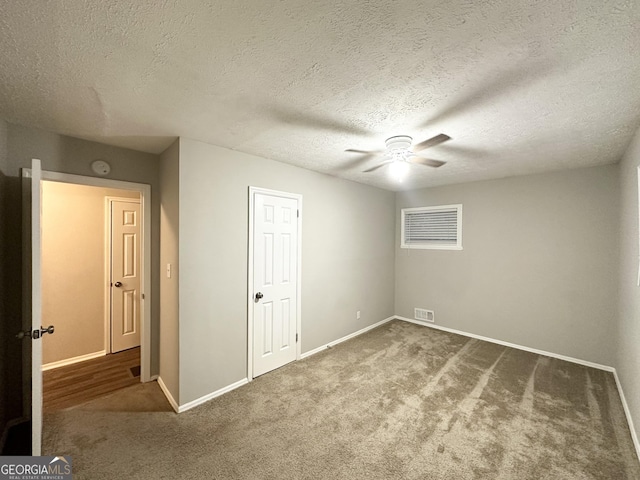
125,275
32,306
275,282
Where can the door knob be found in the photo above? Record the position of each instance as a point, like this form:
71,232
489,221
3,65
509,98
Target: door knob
49,330
35,334
21,334
259,295
117,284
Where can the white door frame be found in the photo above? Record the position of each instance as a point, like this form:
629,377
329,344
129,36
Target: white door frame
32,299
145,200
250,292
108,262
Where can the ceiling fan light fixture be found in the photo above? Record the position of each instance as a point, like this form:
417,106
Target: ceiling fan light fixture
398,169
398,151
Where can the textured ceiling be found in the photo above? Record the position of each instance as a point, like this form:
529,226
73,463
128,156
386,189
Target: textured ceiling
520,86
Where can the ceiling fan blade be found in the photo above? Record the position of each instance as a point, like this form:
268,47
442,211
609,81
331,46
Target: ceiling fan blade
432,142
386,162
426,161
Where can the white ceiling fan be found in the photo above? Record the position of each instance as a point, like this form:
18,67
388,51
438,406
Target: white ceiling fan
399,155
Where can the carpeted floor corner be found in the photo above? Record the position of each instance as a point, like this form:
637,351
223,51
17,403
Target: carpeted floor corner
399,402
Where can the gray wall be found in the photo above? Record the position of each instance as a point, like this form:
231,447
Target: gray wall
628,334
69,155
169,237
539,265
347,259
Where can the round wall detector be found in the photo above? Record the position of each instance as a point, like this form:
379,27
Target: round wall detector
100,167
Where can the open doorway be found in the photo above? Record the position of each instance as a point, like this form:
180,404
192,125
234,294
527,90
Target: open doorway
93,265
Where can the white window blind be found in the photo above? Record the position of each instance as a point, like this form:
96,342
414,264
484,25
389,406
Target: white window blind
432,227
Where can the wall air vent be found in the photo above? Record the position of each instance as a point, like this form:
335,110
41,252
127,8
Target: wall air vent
424,315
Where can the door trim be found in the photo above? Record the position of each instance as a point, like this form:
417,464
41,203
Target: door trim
145,200
250,303
32,299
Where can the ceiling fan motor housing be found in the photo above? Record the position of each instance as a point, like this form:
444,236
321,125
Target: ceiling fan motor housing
398,148
399,142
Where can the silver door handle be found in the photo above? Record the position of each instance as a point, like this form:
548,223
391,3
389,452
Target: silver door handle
36,334
50,329
25,333
259,295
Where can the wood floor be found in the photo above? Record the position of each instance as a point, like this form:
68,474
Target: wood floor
78,383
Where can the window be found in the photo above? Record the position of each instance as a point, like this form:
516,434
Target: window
432,227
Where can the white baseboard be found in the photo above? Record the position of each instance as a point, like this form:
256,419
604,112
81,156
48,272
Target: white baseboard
345,338
71,361
586,363
212,395
512,345
154,377
627,413
244,381
167,394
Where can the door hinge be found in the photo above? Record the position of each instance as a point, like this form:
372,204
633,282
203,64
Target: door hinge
298,213
143,296
296,338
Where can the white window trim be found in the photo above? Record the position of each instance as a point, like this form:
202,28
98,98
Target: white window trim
457,246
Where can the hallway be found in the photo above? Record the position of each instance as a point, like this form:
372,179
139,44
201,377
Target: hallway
81,382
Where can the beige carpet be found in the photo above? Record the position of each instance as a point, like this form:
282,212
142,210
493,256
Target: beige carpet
400,402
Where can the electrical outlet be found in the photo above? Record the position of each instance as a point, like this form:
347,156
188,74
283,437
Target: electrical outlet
424,315
358,315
